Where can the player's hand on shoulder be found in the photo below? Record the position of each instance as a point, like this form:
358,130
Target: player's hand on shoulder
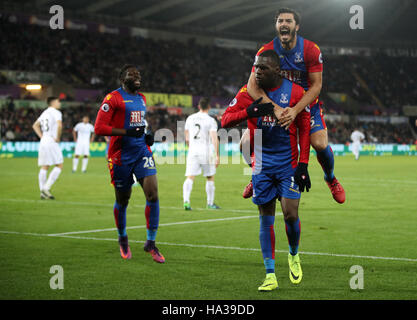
301,177
258,109
136,132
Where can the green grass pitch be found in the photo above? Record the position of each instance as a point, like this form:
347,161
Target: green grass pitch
219,259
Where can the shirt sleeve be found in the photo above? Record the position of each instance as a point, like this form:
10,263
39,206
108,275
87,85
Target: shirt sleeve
312,57
302,122
236,112
303,125
105,113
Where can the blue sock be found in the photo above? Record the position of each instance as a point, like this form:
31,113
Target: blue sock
152,219
267,240
119,212
326,160
293,230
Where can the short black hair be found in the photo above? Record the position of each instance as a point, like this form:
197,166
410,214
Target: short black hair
50,99
270,54
296,15
123,70
204,103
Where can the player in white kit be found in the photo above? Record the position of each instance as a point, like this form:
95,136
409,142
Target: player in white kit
48,127
83,134
357,137
203,152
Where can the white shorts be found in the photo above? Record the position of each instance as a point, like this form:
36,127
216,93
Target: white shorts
49,154
197,162
82,149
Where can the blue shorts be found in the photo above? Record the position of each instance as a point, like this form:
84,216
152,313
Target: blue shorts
316,119
269,186
122,175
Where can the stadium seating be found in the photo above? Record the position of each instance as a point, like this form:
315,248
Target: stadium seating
86,60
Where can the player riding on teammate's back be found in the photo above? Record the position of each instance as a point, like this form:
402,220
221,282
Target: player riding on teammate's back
278,172
301,62
122,116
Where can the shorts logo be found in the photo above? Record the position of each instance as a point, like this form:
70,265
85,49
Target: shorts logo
284,98
234,101
136,118
105,107
312,122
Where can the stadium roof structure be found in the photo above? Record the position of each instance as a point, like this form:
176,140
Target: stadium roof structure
386,22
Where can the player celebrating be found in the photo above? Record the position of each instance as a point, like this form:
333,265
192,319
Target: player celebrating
357,137
278,172
48,127
301,62
201,137
122,116
83,134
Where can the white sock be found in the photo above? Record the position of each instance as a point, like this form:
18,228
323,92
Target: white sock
210,192
52,178
84,164
74,164
42,178
186,189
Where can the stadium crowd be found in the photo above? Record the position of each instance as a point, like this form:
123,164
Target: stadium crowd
86,59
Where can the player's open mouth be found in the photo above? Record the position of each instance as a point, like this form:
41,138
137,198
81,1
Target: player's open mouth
284,32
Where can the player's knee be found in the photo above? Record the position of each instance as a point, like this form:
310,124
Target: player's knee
152,196
291,216
319,144
123,202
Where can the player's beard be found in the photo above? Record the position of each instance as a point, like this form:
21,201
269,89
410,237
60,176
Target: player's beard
131,85
290,38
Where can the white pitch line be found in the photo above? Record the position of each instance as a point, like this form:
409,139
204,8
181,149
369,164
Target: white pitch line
110,205
214,246
161,224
